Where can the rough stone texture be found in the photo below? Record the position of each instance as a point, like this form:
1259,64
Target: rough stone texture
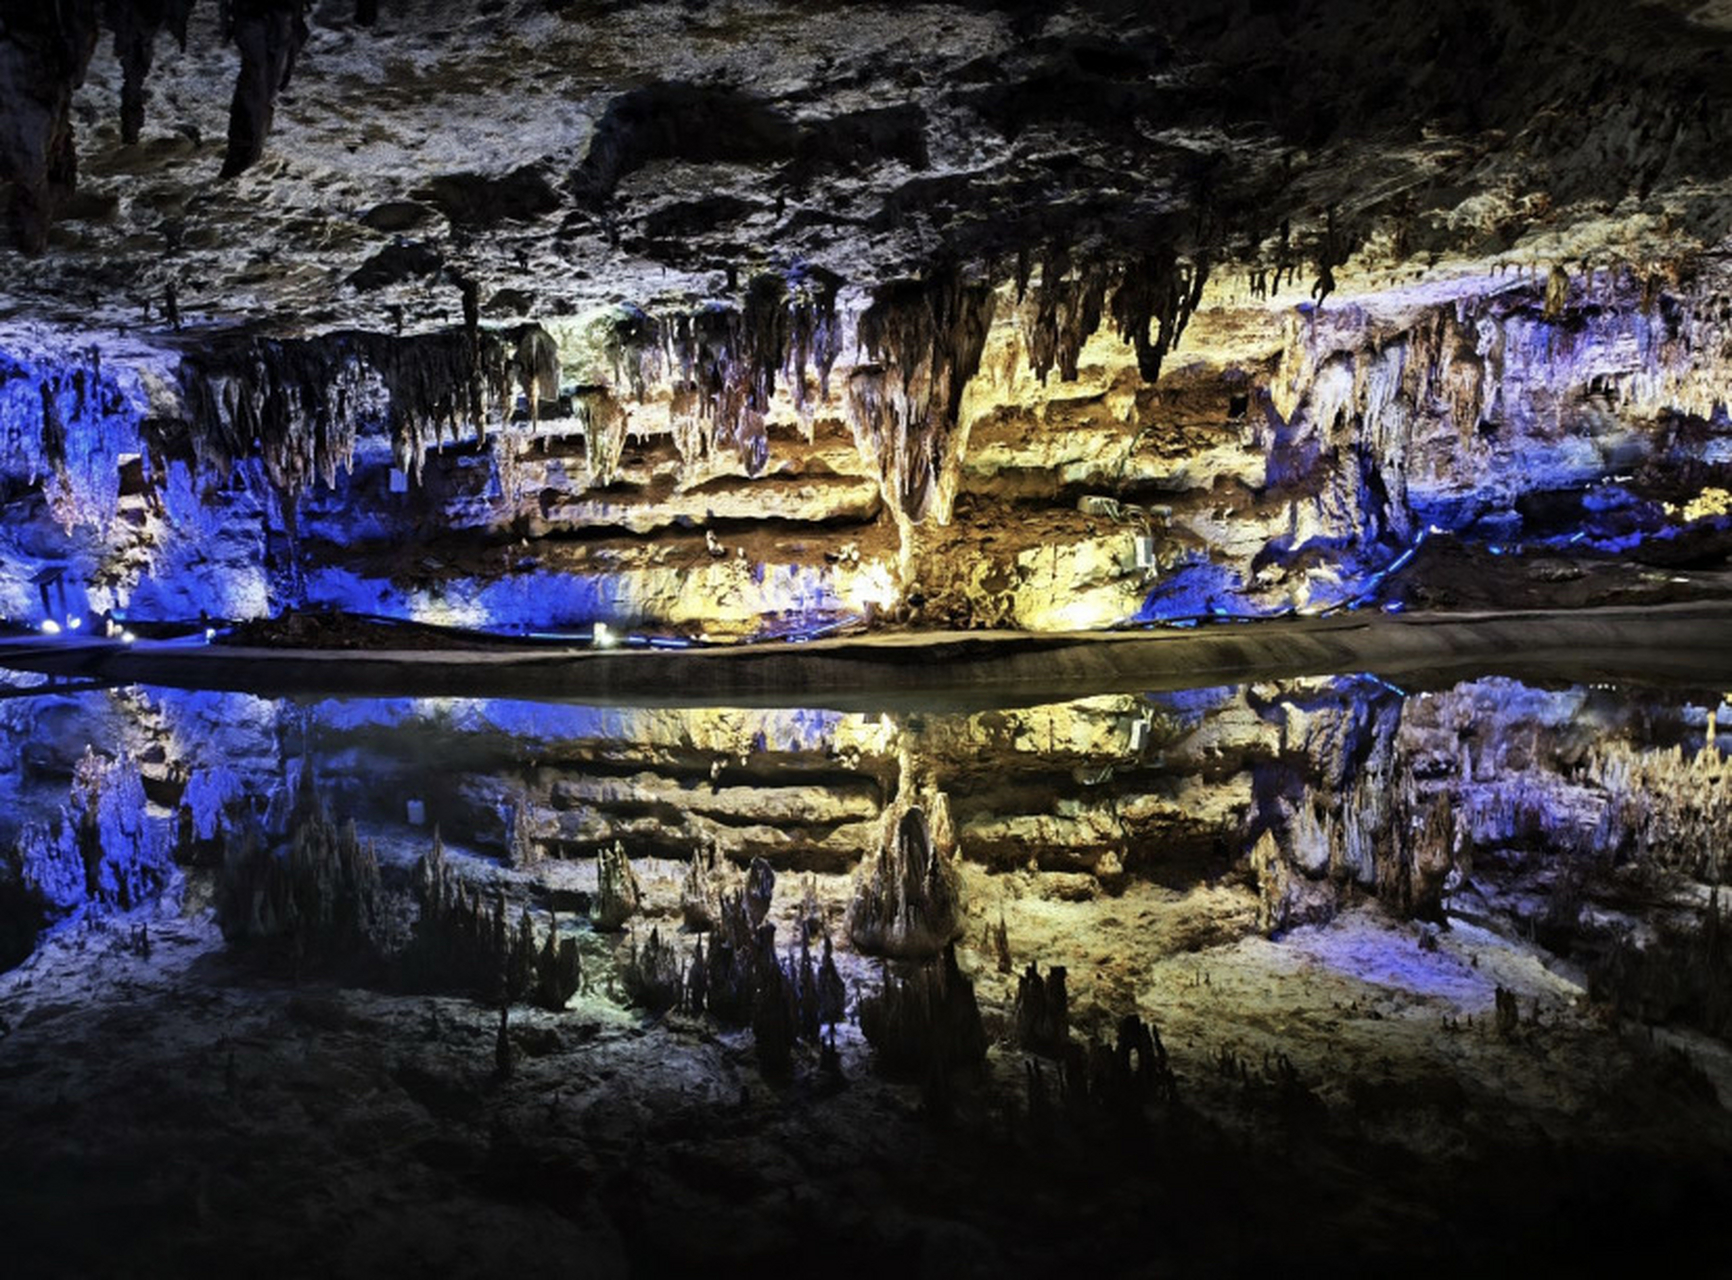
748,318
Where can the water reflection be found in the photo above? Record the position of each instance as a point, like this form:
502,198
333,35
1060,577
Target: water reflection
609,966
1586,818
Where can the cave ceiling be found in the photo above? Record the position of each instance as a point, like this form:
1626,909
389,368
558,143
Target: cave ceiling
563,157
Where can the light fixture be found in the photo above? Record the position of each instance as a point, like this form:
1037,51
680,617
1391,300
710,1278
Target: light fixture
50,627
126,637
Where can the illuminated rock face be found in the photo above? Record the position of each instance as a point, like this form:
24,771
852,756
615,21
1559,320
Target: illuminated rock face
779,321
1252,479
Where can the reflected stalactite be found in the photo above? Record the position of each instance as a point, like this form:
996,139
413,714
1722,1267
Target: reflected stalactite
709,879
99,851
652,975
317,902
924,1021
1041,1015
908,904
618,895
462,942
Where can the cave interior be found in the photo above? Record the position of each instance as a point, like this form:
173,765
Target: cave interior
655,637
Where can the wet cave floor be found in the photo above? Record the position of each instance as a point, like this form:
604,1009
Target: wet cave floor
1500,1049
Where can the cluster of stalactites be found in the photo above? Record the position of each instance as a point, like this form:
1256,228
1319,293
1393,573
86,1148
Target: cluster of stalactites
1150,298
1531,352
720,366
45,50
67,425
300,404
921,341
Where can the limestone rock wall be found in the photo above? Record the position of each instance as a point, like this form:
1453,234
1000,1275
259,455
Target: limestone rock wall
630,470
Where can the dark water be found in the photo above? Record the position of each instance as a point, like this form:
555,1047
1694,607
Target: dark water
1387,940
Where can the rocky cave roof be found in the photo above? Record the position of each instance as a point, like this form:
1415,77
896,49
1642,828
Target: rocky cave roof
566,156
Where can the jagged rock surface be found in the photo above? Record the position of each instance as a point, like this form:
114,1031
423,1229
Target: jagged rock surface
967,316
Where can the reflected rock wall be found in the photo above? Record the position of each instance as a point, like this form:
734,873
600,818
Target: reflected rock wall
1587,818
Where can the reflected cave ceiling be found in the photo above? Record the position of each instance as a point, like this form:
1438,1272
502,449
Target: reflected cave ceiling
922,223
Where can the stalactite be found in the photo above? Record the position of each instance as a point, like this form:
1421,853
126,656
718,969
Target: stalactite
605,423
739,980
135,24
300,404
924,340
269,34
44,52
720,364
1418,858
814,337
1157,289
1067,308
1136,1071
53,429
